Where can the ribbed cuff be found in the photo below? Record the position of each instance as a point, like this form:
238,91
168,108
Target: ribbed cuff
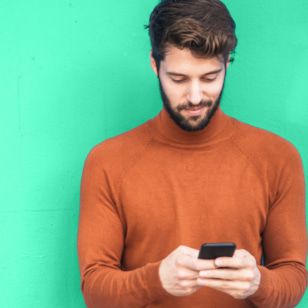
152,280
264,290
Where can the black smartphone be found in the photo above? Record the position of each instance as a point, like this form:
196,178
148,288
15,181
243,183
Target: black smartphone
215,250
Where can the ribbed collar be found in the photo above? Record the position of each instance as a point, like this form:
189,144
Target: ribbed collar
219,129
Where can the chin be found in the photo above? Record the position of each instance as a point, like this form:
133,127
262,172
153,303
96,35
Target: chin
197,123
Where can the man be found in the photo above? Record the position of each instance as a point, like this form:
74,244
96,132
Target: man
152,196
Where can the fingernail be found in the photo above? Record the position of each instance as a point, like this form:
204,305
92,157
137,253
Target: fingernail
217,262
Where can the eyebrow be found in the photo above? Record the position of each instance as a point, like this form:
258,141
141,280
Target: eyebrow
183,75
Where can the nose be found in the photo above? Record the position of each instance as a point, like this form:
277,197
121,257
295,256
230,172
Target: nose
195,93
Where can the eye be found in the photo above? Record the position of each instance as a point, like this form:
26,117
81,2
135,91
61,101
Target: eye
178,80
209,78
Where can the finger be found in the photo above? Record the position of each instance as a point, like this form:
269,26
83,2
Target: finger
227,274
188,251
220,284
184,273
205,264
239,260
231,262
195,264
188,283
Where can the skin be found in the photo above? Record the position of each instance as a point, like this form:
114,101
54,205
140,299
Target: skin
181,272
191,86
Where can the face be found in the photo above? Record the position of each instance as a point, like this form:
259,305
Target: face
190,86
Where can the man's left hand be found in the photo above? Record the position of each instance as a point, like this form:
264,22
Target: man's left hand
237,276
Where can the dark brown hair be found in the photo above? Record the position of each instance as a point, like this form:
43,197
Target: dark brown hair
203,26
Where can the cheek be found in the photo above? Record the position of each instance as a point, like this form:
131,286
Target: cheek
213,90
174,93
175,96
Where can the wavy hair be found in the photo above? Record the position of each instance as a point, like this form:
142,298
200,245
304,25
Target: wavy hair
203,26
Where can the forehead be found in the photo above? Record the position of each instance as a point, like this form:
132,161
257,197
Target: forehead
184,62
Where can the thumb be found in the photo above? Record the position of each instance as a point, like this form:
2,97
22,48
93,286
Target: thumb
189,251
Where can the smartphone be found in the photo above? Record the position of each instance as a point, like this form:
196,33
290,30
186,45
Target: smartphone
215,250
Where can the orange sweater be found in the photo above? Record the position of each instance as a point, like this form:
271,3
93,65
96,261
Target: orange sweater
156,187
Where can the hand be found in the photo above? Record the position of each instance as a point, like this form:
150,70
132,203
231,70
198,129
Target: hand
179,271
237,276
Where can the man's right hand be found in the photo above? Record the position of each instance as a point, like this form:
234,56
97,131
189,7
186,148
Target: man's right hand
179,271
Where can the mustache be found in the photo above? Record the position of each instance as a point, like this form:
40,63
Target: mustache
190,105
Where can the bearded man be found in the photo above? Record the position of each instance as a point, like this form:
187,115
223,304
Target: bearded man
151,196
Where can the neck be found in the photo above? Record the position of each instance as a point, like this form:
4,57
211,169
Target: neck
169,131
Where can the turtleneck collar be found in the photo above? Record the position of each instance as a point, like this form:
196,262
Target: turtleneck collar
168,131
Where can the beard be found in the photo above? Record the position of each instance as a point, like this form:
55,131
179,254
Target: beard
184,122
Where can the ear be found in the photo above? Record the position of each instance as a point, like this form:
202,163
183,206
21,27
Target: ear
153,64
230,59
228,63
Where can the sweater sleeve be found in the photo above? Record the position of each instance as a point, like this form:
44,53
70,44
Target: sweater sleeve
100,248
284,276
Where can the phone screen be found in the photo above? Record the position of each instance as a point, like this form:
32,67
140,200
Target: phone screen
215,250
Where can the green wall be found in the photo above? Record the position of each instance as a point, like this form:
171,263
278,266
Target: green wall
76,72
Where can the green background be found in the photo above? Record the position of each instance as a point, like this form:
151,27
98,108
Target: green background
76,72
